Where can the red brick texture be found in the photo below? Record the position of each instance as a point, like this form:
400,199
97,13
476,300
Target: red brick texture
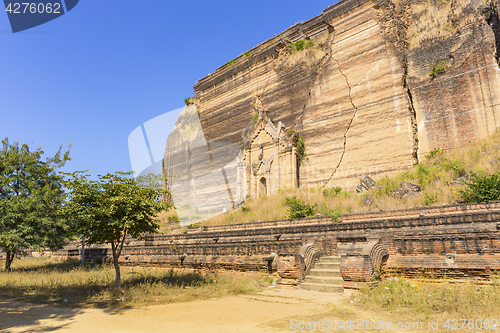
453,241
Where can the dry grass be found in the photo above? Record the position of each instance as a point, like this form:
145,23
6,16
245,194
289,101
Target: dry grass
309,56
439,176
420,301
65,283
434,20
264,209
407,301
163,220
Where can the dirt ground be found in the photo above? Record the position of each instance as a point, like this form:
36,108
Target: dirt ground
269,311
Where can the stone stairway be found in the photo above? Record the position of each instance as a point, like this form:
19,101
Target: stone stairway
324,275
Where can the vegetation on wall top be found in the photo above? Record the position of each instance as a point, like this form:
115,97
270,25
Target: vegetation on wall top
300,45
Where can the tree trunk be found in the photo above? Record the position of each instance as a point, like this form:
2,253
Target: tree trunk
8,261
117,270
83,252
115,263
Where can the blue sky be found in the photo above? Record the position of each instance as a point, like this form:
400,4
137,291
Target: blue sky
93,75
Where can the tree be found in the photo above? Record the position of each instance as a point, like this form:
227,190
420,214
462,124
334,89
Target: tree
107,210
297,209
482,188
31,197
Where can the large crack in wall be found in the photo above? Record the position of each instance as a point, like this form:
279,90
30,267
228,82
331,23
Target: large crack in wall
350,121
411,111
394,19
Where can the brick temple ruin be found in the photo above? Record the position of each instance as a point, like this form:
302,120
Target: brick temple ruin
455,241
370,97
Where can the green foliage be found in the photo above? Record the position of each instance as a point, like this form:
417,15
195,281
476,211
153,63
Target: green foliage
247,54
300,45
434,152
327,192
482,188
229,63
109,209
300,149
298,209
457,166
430,198
255,118
188,101
332,213
31,198
386,186
173,219
152,181
436,69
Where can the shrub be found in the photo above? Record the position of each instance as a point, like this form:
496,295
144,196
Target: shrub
229,63
300,149
173,219
332,213
188,101
457,166
248,54
386,186
300,45
436,69
482,188
434,152
327,192
298,209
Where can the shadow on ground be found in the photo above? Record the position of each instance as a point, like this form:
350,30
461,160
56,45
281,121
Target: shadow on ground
16,314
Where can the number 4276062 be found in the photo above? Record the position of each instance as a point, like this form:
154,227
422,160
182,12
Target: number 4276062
32,8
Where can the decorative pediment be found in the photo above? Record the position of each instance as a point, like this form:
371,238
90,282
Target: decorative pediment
265,162
270,156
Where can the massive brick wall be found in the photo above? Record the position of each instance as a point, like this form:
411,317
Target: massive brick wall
456,241
367,105
463,103
346,105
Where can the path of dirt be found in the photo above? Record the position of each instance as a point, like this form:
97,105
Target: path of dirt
247,313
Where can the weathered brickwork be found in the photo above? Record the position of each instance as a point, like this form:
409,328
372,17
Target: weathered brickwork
365,105
291,268
456,241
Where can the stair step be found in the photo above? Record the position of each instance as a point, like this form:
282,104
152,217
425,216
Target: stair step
324,272
327,265
324,275
332,280
332,259
321,287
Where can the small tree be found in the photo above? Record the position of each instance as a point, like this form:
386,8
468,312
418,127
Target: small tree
482,188
111,208
298,209
31,197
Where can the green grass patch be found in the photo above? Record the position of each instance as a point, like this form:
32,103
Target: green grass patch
300,45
